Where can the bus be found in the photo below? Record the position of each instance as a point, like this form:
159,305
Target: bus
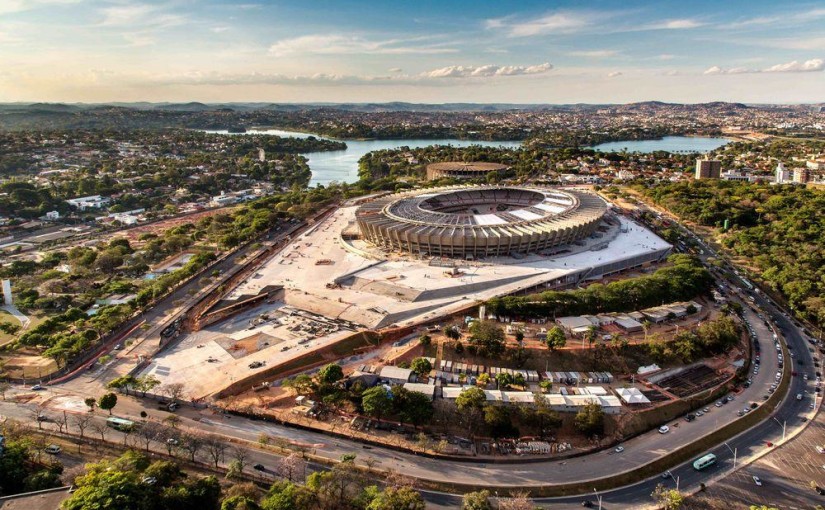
705,461
120,424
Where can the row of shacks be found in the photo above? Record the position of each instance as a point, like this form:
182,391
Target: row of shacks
574,378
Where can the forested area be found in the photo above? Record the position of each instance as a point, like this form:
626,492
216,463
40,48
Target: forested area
684,278
778,231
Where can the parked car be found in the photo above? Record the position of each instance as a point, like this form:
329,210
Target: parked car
619,449
757,481
36,387
664,429
52,449
259,467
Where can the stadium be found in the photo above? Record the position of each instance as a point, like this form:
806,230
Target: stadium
477,222
461,170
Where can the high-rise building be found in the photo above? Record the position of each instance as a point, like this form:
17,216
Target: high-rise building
782,174
708,169
801,175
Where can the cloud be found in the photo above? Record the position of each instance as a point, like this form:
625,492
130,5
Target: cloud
395,69
14,6
614,74
487,71
559,22
816,64
674,24
595,53
340,45
785,20
220,29
813,65
139,15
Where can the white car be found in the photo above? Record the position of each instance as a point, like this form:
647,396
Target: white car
799,396
820,449
757,481
52,449
619,449
664,429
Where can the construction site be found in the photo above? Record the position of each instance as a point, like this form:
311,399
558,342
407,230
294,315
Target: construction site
330,282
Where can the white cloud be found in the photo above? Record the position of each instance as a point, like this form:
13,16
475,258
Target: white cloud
614,74
595,53
795,66
220,29
560,22
139,15
816,64
395,69
13,6
665,56
785,19
487,71
674,24
340,45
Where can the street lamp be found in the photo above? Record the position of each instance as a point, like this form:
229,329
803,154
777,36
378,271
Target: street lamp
733,451
672,478
783,423
598,497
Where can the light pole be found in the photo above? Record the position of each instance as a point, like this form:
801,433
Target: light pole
783,423
598,497
672,478
733,451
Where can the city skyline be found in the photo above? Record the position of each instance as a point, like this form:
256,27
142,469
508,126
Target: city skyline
530,52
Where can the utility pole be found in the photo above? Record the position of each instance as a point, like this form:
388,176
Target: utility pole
598,497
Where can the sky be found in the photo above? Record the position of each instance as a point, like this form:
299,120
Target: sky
755,51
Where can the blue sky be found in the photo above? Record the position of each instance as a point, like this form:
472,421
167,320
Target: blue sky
422,51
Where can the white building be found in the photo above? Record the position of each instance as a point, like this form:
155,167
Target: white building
783,175
90,202
52,215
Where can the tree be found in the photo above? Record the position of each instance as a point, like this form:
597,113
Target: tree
488,337
101,428
556,339
107,402
421,366
174,391
425,340
147,383
216,448
590,419
470,403
412,406
504,380
401,498
667,499
451,332
82,422
330,374
479,500
90,403
292,467
192,444
517,501
4,386
376,402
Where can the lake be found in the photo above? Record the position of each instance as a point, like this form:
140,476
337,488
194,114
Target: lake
679,144
342,166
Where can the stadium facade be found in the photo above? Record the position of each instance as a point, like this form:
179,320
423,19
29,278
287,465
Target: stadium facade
480,221
462,170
